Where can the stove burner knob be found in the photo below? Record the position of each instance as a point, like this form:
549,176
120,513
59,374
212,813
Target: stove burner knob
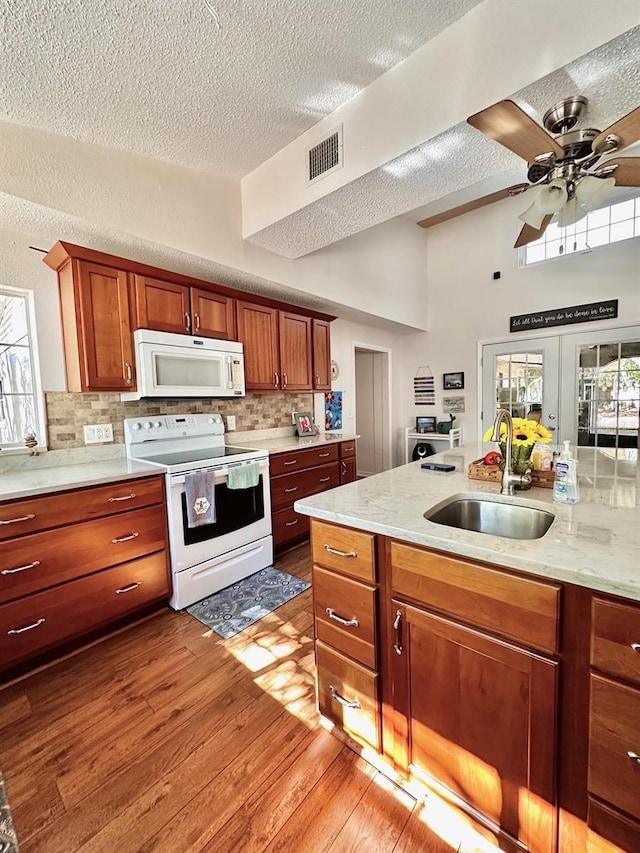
135,426
147,425
212,421
157,424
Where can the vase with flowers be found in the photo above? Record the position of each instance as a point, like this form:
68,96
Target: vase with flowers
526,434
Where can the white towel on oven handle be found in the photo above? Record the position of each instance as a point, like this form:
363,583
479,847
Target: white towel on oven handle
200,493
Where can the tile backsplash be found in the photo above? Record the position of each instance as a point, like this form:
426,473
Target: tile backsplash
68,413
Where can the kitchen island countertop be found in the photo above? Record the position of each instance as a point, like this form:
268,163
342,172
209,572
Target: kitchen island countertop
594,543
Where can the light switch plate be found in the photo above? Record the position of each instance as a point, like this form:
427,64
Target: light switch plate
97,433
231,422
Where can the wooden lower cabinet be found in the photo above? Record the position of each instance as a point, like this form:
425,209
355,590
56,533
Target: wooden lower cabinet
481,721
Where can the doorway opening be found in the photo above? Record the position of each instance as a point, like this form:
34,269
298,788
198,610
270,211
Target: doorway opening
372,378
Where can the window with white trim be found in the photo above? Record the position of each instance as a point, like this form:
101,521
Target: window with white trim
600,227
20,399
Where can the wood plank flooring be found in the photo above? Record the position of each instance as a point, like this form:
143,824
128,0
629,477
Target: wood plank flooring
167,738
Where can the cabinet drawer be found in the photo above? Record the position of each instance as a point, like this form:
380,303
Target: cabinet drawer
615,639
344,550
288,525
28,516
614,775
290,487
516,607
337,600
348,695
33,563
347,448
285,463
44,620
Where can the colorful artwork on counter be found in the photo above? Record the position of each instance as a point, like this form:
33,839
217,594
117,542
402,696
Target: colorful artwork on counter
333,410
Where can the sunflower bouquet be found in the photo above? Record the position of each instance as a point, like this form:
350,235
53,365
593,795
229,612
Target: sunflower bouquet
526,434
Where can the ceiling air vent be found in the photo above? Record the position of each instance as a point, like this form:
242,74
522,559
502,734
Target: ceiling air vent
326,156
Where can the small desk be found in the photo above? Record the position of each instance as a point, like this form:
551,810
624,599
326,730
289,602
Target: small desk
453,438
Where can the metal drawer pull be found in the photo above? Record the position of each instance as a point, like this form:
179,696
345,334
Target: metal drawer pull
123,498
291,523
347,622
634,756
346,703
291,462
22,518
26,627
324,479
125,538
397,645
635,647
293,489
20,568
348,449
129,588
323,454
340,553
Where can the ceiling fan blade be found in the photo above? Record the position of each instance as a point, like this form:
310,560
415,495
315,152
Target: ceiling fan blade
437,218
627,128
512,127
628,172
529,234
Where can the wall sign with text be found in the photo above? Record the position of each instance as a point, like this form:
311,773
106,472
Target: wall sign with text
565,316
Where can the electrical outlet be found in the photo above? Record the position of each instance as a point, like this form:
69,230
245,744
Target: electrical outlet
97,433
293,418
231,422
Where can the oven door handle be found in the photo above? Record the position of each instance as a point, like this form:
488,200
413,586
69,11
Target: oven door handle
221,473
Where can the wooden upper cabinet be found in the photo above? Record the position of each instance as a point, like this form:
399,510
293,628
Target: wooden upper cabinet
162,305
321,355
296,365
258,332
213,315
97,327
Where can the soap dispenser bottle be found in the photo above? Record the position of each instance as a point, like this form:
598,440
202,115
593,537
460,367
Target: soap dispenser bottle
565,487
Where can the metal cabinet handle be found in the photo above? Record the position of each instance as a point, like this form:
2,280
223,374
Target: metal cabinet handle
276,380
284,380
348,623
129,588
347,703
317,379
187,320
291,523
348,449
291,462
128,373
340,553
123,498
20,568
324,479
634,756
26,627
322,455
397,645
292,489
196,318
125,538
635,647
22,518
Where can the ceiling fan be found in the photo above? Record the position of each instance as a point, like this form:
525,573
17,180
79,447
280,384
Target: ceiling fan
565,174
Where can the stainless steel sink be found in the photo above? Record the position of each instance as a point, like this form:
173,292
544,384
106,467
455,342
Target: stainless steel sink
496,515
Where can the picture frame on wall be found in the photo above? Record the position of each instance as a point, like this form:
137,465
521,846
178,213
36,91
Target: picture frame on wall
453,381
304,423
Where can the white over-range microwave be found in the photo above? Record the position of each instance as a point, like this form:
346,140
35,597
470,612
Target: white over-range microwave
170,365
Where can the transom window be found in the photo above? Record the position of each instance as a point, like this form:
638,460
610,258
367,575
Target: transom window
19,392
601,227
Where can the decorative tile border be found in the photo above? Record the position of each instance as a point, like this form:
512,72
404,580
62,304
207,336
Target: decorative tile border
68,413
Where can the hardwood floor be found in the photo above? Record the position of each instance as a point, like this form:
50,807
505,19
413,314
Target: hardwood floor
167,738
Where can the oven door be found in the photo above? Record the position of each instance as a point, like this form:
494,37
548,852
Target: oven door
242,516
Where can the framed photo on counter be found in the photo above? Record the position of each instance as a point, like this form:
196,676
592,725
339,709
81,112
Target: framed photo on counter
304,423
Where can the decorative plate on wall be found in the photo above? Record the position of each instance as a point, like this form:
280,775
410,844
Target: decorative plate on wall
335,370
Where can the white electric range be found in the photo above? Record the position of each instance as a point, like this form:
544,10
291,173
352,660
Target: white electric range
206,558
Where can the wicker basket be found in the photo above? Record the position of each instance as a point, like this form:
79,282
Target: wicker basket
479,471
543,479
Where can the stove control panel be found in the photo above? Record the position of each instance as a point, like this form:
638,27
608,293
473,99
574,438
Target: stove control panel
137,430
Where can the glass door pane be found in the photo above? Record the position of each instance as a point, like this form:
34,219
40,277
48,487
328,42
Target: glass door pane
609,394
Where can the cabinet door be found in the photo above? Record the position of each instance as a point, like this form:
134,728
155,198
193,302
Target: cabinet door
258,331
213,315
321,355
295,352
105,330
162,305
348,470
482,721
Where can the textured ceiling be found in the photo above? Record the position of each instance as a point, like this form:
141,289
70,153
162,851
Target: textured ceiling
158,77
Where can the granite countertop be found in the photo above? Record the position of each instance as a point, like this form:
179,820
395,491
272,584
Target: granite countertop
594,543
283,443
45,474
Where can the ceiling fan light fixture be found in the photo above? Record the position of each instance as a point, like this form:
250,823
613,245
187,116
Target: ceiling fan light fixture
532,216
552,197
571,213
592,191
